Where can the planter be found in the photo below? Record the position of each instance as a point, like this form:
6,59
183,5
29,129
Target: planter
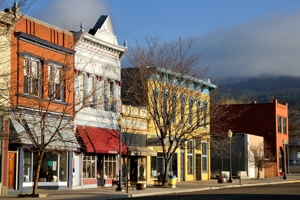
222,180
140,186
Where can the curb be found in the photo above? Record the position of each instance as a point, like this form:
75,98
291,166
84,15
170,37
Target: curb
209,188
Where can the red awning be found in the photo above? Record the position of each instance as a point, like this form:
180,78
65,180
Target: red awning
100,140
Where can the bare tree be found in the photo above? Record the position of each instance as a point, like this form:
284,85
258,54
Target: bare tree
260,156
166,79
294,124
37,97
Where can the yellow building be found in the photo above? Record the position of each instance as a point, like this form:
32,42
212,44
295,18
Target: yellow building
178,121
134,135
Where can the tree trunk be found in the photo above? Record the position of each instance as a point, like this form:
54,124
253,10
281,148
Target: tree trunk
37,172
258,173
166,173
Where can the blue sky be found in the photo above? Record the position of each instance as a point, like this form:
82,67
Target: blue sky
236,37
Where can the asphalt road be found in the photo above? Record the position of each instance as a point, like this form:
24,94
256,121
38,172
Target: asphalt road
269,192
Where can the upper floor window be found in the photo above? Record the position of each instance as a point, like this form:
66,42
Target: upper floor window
91,91
165,104
111,88
198,104
205,107
56,82
174,99
191,111
279,128
32,76
155,99
284,126
182,108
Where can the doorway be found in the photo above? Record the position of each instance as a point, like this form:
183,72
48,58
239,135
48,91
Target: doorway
11,170
77,169
181,165
198,167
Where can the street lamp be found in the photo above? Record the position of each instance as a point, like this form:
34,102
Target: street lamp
284,159
230,172
120,123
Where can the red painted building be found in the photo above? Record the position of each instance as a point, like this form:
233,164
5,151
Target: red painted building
269,120
39,93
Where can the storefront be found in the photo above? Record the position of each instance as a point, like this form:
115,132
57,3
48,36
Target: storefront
100,158
56,167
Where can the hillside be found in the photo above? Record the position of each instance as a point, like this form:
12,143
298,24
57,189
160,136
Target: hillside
264,89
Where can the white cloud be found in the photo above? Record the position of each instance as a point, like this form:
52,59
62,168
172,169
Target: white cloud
270,45
69,14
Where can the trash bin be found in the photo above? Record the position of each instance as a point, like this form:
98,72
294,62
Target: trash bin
172,181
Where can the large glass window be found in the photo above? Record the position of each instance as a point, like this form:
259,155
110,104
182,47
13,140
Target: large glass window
63,169
49,167
157,165
89,166
204,158
27,169
110,166
190,156
32,76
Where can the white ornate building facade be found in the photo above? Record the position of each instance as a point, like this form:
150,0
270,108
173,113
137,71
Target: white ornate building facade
97,98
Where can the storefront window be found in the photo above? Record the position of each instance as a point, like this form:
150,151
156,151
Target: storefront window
100,166
110,166
49,167
153,167
190,156
63,167
173,165
204,158
89,166
157,165
27,167
142,168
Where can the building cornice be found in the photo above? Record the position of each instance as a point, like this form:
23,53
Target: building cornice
43,43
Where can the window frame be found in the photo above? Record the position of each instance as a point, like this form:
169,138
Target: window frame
53,84
204,161
279,127
29,81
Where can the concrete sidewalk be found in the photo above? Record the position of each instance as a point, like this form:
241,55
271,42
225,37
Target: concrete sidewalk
181,187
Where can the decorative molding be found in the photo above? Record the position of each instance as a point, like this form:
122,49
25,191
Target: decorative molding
43,43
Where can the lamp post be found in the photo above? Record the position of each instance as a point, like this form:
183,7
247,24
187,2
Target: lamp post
230,172
284,159
120,123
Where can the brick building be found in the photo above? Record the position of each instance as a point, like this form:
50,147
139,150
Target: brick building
38,105
269,120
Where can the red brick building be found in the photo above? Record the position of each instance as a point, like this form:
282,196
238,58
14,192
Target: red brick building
269,120
39,100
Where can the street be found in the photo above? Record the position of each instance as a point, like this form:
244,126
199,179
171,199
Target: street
272,192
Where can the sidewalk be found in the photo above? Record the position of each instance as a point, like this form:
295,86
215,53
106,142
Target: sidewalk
181,187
